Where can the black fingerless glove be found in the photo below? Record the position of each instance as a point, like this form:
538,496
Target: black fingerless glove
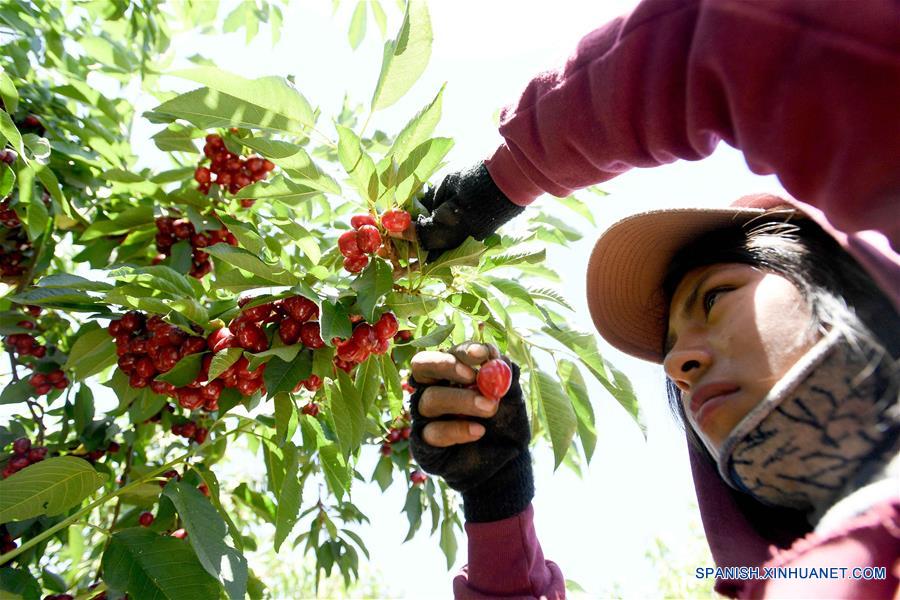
493,473
466,203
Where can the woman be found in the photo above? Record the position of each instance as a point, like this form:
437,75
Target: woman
783,366
808,90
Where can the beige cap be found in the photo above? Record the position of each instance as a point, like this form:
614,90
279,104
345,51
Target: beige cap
629,262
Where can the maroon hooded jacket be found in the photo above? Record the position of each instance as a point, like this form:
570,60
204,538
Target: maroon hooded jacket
808,90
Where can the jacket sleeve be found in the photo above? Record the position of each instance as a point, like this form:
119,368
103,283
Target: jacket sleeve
506,561
806,89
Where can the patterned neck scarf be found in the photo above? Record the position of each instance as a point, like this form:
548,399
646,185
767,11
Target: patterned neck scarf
828,427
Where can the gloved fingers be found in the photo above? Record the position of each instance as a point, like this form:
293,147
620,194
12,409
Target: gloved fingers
437,401
473,353
432,366
427,198
441,434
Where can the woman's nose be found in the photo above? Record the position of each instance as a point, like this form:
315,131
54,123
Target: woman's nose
686,365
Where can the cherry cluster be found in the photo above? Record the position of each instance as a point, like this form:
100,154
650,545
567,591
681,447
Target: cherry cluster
231,171
311,409
398,432
366,339
365,237
24,454
148,347
171,231
191,430
44,382
15,247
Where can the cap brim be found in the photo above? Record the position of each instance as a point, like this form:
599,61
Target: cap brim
627,268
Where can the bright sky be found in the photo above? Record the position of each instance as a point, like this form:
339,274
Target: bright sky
598,528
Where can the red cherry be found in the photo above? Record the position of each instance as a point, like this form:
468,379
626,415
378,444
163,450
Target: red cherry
268,165
212,390
255,164
365,337
357,221
220,339
192,345
201,434
418,477
146,519
348,350
165,225
405,433
56,376
204,489
368,239
189,398
253,338
310,336
387,326
289,331
21,445
132,322
183,229
348,245
386,450
62,384
201,175
162,387
396,221
188,429
38,379
248,386
179,533
19,462
494,378
37,454
165,358
25,324
381,347
356,264
394,436
313,383
136,381
300,309
144,367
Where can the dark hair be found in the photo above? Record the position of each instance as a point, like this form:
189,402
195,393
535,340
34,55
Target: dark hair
840,294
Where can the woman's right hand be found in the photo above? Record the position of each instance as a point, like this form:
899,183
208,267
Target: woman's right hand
479,446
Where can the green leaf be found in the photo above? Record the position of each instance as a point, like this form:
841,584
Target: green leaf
177,138
8,92
185,370
433,338
289,497
405,306
9,131
585,346
420,165
19,583
149,566
7,180
275,99
295,161
573,382
466,254
383,473
282,376
357,163
145,404
83,411
49,487
448,542
405,57
357,25
16,392
93,351
372,284
222,360
551,295
334,321
516,258
558,410
285,353
391,377
418,129
206,533
76,282
349,413
247,261
284,410
124,222
280,188
337,473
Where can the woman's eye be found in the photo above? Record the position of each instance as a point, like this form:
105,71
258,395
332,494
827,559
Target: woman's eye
710,297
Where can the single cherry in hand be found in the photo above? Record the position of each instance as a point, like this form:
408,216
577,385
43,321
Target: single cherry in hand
493,379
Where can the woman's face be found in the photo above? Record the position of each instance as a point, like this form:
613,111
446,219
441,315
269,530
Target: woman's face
734,331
